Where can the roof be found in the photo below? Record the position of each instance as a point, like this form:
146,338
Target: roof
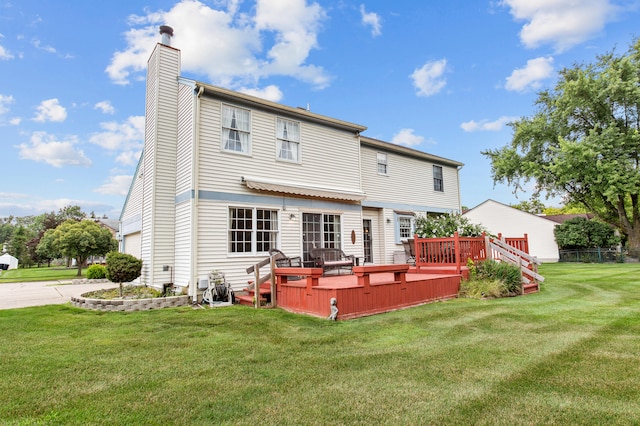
263,104
410,152
562,218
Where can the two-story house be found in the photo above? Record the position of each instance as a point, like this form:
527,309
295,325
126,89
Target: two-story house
224,177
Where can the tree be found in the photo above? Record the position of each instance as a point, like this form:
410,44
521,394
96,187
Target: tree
46,249
533,206
17,246
71,213
583,143
446,225
122,268
82,239
578,233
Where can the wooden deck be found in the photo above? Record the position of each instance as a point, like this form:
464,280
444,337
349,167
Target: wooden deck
370,290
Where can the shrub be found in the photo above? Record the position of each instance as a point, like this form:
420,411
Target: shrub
509,274
491,279
96,272
122,268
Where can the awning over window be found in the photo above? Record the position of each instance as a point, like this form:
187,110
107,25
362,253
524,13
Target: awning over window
304,190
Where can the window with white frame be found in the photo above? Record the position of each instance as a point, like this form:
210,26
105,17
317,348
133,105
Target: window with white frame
320,230
288,140
383,165
438,183
405,227
235,129
252,230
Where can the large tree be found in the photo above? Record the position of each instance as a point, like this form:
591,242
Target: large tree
80,240
583,143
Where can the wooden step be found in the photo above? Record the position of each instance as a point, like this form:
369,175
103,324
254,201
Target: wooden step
530,288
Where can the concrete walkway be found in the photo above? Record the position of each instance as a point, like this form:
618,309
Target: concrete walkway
22,295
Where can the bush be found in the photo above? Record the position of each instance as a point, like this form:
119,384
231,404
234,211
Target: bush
492,279
96,272
122,268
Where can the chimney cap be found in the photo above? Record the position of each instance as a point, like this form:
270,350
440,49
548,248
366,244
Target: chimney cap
165,29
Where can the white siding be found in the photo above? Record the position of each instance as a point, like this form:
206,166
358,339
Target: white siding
330,157
158,220
182,266
511,222
409,181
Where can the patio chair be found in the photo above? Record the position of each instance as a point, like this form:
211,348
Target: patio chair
282,261
409,250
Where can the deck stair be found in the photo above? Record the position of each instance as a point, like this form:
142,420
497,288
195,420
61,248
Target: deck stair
247,297
501,251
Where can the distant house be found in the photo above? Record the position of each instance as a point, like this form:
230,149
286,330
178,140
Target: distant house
501,218
8,262
225,177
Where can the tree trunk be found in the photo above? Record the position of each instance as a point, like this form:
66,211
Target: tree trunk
80,263
633,243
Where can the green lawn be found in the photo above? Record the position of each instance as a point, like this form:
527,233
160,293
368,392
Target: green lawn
567,355
39,274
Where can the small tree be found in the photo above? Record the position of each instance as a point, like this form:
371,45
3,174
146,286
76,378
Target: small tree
122,268
81,240
446,225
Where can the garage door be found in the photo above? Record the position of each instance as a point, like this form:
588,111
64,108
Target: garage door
132,244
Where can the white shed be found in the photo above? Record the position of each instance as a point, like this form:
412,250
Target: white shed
8,262
511,222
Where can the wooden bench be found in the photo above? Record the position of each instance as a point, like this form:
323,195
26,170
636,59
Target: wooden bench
332,258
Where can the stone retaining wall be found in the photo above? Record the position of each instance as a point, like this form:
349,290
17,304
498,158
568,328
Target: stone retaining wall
129,305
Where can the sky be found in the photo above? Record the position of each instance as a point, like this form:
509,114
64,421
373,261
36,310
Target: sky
444,77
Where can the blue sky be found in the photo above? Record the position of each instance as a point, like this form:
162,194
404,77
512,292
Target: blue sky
440,76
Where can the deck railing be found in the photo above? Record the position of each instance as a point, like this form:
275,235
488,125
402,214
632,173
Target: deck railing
456,251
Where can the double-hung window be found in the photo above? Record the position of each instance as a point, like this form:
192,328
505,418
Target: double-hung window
236,129
438,182
252,230
405,227
383,165
320,230
288,140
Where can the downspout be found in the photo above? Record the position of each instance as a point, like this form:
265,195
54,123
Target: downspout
459,196
195,173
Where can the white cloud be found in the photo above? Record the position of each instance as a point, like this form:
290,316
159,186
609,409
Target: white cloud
372,19
486,125
15,121
530,77
228,46
560,23
407,138
38,45
116,185
45,148
5,101
271,93
105,107
5,54
128,158
50,110
429,79
124,136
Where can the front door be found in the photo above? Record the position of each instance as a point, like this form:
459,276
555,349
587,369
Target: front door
367,240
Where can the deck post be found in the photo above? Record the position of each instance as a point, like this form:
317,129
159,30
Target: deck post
273,282
256,287
456,251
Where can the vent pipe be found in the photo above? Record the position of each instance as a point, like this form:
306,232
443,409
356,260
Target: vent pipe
166,32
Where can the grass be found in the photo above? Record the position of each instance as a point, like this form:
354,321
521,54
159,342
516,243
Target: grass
567,355
54,273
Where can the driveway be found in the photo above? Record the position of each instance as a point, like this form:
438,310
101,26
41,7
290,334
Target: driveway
22,295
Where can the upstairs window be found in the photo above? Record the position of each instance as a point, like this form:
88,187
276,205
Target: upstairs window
382,164
288,140
235,129
438,184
